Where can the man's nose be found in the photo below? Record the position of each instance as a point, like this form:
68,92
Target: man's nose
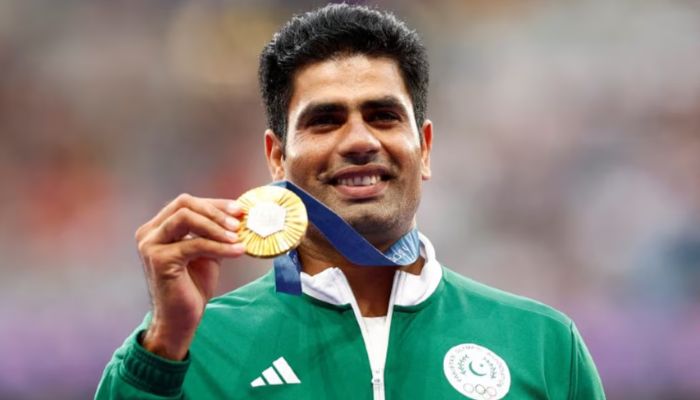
358,142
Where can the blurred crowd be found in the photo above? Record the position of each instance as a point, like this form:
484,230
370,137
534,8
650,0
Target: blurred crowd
566,166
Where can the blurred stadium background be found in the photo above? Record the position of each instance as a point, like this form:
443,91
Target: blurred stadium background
566,166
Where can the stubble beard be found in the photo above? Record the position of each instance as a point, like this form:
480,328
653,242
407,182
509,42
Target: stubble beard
382,225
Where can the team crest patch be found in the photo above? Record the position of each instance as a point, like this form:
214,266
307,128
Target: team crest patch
477,372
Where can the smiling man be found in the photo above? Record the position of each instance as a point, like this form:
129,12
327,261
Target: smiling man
345,89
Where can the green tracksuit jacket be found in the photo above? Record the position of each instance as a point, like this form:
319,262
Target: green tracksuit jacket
449,338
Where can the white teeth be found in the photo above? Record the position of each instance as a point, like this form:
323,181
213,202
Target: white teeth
359,180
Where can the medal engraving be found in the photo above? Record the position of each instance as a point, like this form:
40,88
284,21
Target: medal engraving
266,218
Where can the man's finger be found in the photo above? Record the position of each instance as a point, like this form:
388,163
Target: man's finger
219,210
187,222
231,207
203,247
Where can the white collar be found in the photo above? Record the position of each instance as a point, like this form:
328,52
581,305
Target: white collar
330,285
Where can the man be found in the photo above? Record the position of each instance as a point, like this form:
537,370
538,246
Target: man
345,89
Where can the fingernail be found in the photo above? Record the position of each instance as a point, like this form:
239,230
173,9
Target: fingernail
233,207
232,223
232,235
238,247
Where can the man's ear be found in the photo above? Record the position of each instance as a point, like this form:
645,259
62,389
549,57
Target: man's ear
274,153
425,147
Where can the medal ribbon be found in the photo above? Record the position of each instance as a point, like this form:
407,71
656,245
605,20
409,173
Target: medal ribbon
345,239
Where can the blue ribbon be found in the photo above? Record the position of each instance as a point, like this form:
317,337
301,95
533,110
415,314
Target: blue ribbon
345,239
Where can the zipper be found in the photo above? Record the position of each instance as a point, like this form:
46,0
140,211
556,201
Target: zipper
378,384
378,388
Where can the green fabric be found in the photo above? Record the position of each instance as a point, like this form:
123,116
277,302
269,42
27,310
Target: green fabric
243,332
135,373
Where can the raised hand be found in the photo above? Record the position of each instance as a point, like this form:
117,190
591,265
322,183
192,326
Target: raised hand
181,249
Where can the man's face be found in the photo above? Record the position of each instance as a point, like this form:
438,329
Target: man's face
353,143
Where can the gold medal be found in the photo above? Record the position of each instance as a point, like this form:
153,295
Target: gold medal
275,221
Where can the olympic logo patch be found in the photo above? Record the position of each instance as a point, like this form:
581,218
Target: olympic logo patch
477,372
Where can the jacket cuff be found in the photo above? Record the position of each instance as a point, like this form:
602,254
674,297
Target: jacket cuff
152,373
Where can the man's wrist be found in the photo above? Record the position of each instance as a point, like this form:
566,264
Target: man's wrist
151,373
171,347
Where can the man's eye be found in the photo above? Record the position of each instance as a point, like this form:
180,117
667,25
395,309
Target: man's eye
384,116
324,120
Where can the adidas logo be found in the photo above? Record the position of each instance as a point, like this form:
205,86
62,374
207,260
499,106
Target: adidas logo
279,373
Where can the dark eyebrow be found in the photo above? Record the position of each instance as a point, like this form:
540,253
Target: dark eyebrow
390,102
319,108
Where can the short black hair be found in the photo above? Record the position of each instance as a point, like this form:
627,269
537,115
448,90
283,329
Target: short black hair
333,30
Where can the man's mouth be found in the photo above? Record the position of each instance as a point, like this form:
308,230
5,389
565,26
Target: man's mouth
361,182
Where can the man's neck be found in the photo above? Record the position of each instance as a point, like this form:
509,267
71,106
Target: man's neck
371,286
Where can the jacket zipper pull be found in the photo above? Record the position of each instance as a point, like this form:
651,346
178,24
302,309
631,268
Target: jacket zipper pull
378,384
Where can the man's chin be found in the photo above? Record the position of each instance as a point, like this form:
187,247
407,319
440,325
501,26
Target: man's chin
375,228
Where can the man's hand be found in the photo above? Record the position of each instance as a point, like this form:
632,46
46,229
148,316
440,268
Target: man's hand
181,249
